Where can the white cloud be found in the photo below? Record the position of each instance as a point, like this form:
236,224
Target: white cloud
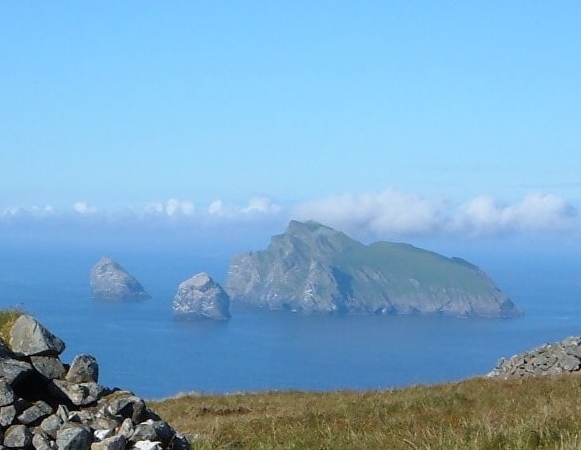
389,211
183,207
260,204
216,208
383,215
536,212
172,208
84,208
34,211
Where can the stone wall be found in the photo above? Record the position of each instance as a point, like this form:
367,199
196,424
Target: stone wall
548,359
46,404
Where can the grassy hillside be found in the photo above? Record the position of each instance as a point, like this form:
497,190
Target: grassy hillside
534,413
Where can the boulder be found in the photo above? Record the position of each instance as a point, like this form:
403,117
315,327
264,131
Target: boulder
18,436
6,393
111,282
201,297
40,409
29,338
49,367
14,371
81,394
83,369
74,437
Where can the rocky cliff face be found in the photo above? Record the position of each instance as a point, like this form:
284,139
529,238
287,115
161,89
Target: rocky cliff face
314,268
201,297
45,404
111,282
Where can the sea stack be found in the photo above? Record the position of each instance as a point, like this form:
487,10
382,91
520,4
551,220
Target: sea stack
111,282
201,297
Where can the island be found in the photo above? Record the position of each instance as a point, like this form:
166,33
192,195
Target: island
313,268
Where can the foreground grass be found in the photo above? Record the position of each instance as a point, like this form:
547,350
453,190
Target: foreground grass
481,413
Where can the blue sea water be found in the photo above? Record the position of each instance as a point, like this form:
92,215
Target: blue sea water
142,347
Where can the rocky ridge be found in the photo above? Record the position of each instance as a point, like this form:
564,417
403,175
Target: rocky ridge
46,404
111,282
200,296
547,359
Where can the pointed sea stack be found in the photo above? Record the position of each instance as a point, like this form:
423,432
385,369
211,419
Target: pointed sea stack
111,282
201,297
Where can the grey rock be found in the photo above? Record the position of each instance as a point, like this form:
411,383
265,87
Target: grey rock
7,415
178,441
79,394
111,282
63,412
40,440
114,442
14,371
6,393
144,431
312,268
74,437
147,445
18,436
40,409
126,428
83,369
127,406
49,367
569,363
51,424
28,337
81,416
102,434
201,296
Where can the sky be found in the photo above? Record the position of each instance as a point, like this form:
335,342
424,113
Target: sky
387,119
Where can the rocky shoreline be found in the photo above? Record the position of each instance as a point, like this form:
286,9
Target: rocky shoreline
47,404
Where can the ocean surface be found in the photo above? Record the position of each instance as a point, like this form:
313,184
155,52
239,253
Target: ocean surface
141,347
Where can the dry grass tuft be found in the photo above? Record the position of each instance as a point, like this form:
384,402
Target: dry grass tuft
480,413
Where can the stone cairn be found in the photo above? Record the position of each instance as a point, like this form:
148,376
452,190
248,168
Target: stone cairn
548,359
45,404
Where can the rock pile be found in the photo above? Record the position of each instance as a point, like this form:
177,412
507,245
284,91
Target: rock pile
45,404
548,359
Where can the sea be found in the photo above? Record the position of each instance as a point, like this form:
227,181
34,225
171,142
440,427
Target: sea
142,347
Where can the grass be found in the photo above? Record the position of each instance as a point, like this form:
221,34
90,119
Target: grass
480,413
7,318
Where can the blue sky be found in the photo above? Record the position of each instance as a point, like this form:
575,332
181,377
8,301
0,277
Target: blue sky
384,118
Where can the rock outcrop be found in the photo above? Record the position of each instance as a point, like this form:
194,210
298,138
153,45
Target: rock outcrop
111,282
201,297
314,268
45,404
548,359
